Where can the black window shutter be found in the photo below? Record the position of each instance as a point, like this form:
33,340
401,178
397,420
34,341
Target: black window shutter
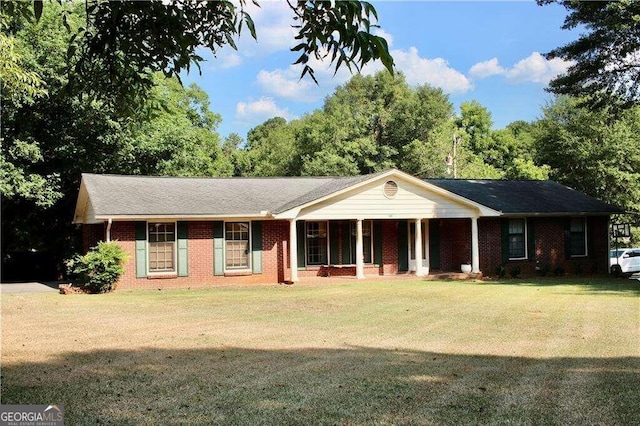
567,238
334,242
403,246
300,234
434,244
377,242
345,226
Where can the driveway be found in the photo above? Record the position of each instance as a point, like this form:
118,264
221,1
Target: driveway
32,287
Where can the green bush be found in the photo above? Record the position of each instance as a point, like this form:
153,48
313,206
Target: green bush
100,268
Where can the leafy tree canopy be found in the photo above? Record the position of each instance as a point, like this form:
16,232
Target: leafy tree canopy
124,42
591,151
606,58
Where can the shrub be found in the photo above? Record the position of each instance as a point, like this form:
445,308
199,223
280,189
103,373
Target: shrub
559,271
501,271
514,271
579,268
100,268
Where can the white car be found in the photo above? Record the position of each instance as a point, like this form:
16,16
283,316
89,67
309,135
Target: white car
628,260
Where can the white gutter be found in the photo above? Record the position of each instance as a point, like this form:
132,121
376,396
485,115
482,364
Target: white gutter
109,230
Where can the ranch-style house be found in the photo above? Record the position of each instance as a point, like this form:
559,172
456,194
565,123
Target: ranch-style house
205,231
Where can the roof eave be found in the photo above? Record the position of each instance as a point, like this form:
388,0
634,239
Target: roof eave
134,217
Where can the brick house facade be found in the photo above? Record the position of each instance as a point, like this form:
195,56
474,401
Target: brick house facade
359,226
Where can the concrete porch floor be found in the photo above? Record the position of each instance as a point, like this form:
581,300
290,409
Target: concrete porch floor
436,276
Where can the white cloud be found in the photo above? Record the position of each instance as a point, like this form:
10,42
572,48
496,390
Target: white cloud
230,60
286,84
435,72
535,68
260,110
486,69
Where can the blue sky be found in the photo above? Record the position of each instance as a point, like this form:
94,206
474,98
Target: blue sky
487,51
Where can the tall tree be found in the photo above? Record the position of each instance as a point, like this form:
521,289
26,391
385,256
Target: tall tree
49,140
271,149
606,57
179,138
592,151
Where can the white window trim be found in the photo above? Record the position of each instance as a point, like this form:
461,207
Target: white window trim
586,245
526,239
175,249
249,267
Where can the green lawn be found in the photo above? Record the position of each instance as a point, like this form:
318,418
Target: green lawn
555,351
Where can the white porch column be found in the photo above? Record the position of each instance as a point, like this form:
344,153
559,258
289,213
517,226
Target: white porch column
425,269
418,249
359,250
293,250
475,247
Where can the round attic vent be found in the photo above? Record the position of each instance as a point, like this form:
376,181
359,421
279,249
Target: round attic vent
390,189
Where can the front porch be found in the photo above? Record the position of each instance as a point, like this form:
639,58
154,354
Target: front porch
363,248
401,277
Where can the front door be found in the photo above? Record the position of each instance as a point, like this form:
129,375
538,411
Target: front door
412,245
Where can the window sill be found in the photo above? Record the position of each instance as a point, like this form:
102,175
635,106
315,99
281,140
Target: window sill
162,275
242,273
518,259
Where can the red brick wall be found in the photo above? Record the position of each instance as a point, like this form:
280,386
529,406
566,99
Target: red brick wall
200,249
275,250
549,246
124,233
490,244
91,234
455,243
389,247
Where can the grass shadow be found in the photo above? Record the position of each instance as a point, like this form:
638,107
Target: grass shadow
595,284
357,385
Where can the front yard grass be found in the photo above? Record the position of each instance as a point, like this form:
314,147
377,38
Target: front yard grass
552,351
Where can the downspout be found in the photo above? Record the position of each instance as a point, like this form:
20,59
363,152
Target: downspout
109,230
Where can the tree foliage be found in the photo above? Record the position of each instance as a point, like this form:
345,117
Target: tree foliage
49,140
592,151
124,42
606,57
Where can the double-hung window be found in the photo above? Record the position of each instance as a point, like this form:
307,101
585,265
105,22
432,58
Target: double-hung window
578,237
517,239
316,242
236,245
162,246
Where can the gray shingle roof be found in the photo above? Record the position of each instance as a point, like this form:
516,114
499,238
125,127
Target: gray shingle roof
145,195
525,196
